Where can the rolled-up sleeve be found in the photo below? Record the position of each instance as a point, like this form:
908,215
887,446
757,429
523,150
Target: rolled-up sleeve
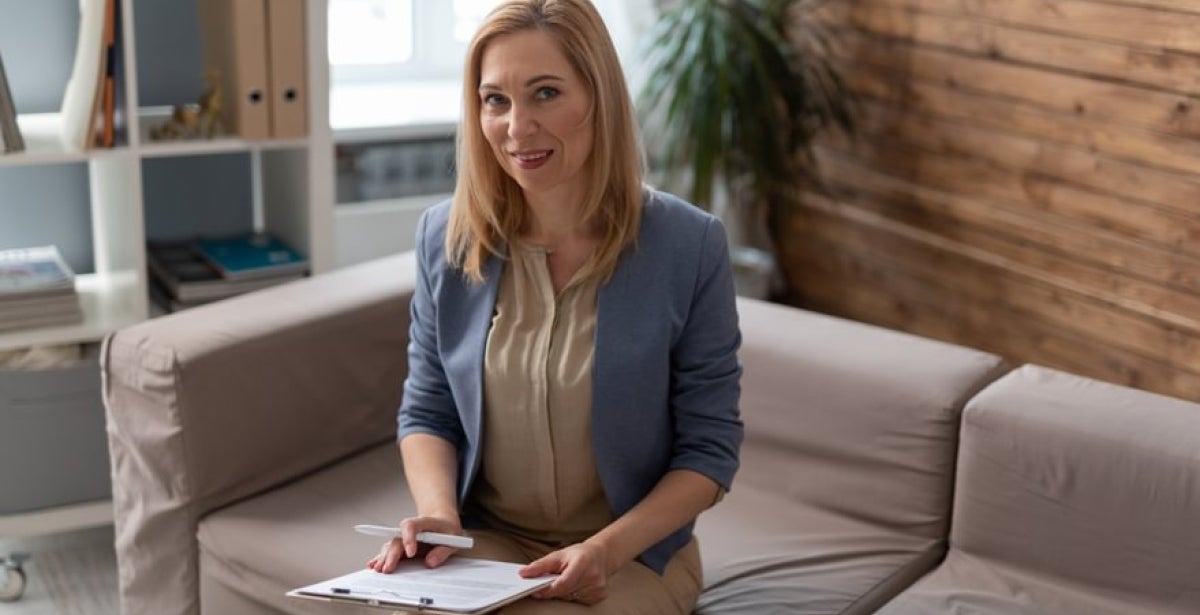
705,371
428,405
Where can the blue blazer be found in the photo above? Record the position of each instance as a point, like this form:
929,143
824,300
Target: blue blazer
665,375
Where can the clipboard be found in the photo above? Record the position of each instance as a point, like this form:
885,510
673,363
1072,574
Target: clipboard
461,586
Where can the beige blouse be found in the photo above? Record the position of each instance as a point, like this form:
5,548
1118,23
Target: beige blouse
538,477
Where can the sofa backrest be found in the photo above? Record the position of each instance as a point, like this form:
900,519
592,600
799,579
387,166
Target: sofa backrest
854,418
1085,481
209,406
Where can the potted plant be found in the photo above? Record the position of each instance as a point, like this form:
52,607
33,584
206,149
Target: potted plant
735,93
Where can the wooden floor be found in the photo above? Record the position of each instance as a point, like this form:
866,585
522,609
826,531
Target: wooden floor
73,573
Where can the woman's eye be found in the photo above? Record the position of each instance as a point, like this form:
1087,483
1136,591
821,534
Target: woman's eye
547,93
494,100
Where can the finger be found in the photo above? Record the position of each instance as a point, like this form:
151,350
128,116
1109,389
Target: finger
408,538
549,564
568,586
438,556
394,554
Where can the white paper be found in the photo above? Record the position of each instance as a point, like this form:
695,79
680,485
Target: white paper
460,584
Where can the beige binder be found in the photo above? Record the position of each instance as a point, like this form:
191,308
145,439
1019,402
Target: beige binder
235,45
288,66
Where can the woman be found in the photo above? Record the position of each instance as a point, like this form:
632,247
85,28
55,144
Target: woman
573,381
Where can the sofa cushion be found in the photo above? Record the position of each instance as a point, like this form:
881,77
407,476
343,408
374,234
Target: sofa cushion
964,583
252,552
765,553
1066,487
864,419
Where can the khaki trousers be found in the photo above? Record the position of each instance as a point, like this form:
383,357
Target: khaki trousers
633,590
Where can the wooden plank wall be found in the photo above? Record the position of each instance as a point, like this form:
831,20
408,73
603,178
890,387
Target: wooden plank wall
1026,180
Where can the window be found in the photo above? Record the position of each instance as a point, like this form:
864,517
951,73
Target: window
373,41
398,62
370,32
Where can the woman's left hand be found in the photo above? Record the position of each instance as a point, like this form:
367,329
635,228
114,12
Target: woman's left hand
582,570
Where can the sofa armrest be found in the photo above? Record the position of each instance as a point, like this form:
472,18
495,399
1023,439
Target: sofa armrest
214,404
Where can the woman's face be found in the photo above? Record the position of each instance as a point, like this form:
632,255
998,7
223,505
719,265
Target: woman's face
536,114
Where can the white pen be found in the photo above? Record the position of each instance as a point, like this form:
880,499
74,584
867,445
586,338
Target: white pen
432,538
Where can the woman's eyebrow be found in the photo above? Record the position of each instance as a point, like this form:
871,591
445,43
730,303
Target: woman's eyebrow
541,78
531,81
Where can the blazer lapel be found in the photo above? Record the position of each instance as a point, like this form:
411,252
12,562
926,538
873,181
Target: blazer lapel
473,309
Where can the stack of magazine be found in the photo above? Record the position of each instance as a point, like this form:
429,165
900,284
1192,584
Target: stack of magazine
37,289
202,270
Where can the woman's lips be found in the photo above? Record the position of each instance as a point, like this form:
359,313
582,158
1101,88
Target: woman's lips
533,159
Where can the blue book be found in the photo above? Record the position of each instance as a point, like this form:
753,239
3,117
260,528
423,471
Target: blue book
251,255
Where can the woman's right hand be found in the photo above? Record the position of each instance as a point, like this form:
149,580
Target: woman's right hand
406,545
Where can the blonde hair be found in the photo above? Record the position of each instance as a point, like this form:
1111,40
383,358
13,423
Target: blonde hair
489,208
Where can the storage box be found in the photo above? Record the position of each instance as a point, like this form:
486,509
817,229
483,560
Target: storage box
53,448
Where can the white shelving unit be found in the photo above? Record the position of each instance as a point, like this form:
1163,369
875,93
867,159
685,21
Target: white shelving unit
293,191
293,185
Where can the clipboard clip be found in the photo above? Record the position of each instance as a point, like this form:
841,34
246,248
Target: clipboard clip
421,601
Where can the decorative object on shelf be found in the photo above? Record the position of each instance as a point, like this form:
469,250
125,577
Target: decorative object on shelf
184,123
89,102
37,289
736,93
10,132
212,116
204,119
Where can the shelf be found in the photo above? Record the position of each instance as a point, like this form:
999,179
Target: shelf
43,145
109,302
220,145
150,117
57,519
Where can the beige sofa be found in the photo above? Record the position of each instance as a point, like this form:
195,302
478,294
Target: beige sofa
248,436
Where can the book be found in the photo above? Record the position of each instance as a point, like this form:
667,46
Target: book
26,272
461,585
187,279
22,307
56,318
10,133
251,255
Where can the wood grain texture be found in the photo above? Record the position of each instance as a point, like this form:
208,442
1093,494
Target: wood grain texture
1101,21
1025,180
1142,64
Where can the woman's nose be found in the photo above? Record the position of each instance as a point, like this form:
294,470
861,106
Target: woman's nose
521,122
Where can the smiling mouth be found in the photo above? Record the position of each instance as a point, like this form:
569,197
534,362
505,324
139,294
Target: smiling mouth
531,160
531,156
